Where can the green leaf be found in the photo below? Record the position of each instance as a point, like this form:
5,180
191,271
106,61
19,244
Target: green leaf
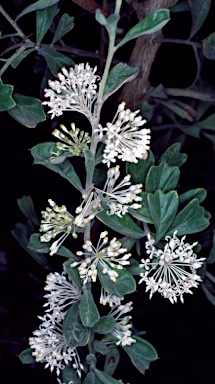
199,11
152,23
105,378
65,25
26,356
163,208
109,23
162,177
198,193
124,284
91,379
44,18
88,310
182,110
26,206
90,166
181,7
21,57
134,268
69,375
6,100
73,330
111,361
65,252
22,233
211,257
42,153
40,4
73,274
209,46
143,213
125,225
190,219
36,245
28,111
105,325
127,242
119,75
100,347
173,157
141,354
208,123
55,60
139,171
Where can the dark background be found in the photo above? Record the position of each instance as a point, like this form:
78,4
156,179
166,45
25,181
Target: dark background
183,334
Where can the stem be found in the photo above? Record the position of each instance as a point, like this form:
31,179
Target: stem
13,23
190,93
10,60
181,41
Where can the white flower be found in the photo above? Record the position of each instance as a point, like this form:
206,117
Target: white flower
172,272
76,90
122,137
55,221
122,196
88,209
62,292
49,345
122,327
107,298
108,257
75,141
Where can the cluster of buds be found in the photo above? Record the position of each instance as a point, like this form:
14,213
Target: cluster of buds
74,141
166,270
108,257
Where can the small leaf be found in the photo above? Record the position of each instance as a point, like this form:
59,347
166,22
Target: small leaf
125,225
139,171
181,7
91,379
199,11
124,284
209,46
6,100
105,325
42,153
69,375
181,111
26,206
163,208
141,354
109,23
105,378
66,23
111,361
190,219
100,347
119,75
73,330
143,214
40,4
88,310
26,356
152,23
28,111
90,166
21,57
162,177
44,18
199,193
55,60
36,245
173,157
73,274
208,123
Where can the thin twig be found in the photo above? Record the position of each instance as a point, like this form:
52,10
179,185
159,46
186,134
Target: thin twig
13,23
181,41
74,51
10,60
190,93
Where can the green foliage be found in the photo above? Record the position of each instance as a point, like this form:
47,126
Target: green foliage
65,25
91,379
139,171
69,375
104,325
111,361
21,57
162,177
143,213
73,273
90,165
141,353
44,18
55,60
40,4
26,206
75,333
88,310
152,23
209,46
124,284
211,257
119,75
26,356
105,378
100,347
199,11
199,193
6,100
28,111
173,157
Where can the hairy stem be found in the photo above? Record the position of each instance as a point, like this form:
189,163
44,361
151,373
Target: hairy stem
13,23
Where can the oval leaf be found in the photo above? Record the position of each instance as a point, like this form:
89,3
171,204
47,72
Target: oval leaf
40,4
91,379
111,361
199,10
162,177
105,378
65,25
124,284
55,60
6,100
139,171
100,347
26,356
119,75
105,325
141,354
21,57
28,111
74,332
44,18
172,156
198,193
69,375
152,23
88,311
26,206
209,46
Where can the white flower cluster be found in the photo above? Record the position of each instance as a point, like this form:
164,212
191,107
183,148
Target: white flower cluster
108,257
75,90
122,196
74,141
122,329
122,137
166,270
48,342
55,221
107,298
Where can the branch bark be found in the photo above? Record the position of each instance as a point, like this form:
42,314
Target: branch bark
144,52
